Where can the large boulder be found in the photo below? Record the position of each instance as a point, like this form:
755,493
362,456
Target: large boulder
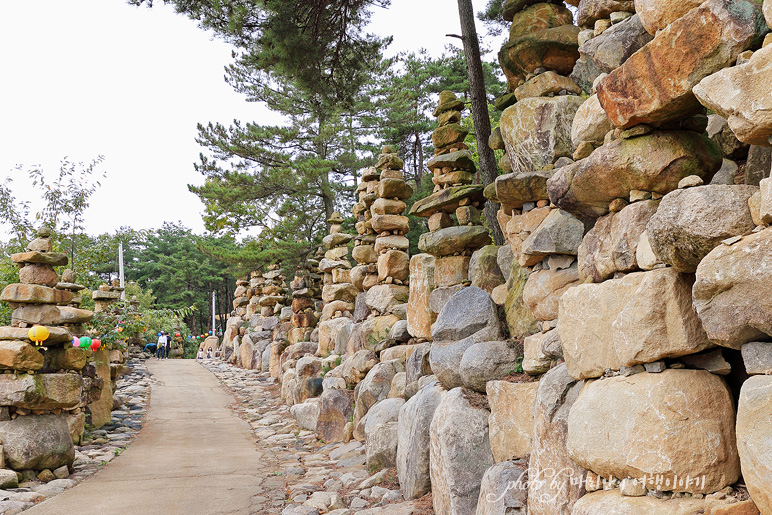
511,422
537,130
544,289
306,414
484,271
737,93
606,52
672,424
373,389
445,361
355,367
375,330
640,318
731,293
654,85
469,312
590,11
41,391
690,222
460,454
590,123
37,442
381,434
448,241
657,14
486,361
415,418
753,443
559,233
555,49
504,489
335,411
520,320
556,481
540,16
611,245
419,316
612,502
612,171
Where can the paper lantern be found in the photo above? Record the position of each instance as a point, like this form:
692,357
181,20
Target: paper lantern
177,335
75,341
95,344
85,342
38,334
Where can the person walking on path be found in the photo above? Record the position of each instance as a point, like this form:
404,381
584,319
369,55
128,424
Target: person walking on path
161,349
168,346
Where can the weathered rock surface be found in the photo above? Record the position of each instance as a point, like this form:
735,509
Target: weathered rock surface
537,131
606,52
554,49
306,414
484,271
689,223
731,294
592,10
511,420
518,187
611,502
445,360
611,245
41,391
590,123
37,442
373,389
656,15
544,289
559,233
419,316
335,410
486,361
654,86
460,454
646,425
753,443
612,171
415,418
19,355
381,434
640,318
504,489
469,312
737,94
450,240
557,482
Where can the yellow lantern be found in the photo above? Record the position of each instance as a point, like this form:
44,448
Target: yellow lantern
38,334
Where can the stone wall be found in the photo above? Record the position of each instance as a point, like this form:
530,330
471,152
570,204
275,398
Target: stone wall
614,355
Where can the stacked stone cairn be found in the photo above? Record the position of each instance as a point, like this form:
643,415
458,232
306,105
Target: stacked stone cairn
365,274
46,388
300,380
338,292
450,242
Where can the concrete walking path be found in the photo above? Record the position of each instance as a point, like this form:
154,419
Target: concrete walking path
193,456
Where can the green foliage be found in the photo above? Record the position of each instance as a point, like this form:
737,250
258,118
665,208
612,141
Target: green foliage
167,263
123,322
492,17
321,46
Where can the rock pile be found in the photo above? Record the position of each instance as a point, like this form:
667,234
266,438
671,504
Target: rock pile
45,390
634,277
454,220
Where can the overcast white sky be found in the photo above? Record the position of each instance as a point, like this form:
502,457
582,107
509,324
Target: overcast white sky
87,77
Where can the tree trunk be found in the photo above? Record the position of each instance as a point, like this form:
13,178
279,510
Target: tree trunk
482,123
